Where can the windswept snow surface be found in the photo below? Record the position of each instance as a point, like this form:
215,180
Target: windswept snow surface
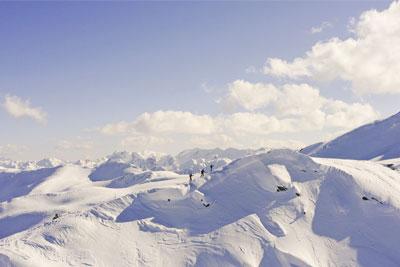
378,140
232,217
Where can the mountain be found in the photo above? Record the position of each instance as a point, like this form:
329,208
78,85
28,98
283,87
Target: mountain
87,163
279,208
123,162
116,164
378,140
188,161
193,160
9,165
49,163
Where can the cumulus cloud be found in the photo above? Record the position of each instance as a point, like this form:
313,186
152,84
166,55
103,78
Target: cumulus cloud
298,99
177,130
176,122
251,96
318,29
186,123
370,60
163,122
18,108
115,128
346,116
245,123
297,107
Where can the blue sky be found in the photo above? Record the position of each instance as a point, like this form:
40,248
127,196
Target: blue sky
91,64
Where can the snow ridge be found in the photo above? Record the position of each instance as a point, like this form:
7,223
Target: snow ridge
278,208
377,140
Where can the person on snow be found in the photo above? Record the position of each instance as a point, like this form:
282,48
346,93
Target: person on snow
211,167
56,217
190,177
202,173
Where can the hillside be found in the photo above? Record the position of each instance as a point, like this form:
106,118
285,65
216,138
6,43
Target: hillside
280,208
378,140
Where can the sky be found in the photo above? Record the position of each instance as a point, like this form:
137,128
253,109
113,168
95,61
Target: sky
83,79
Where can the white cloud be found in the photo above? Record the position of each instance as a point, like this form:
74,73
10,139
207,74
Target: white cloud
347,116
318,29
251,96
298,99
18,108
243,123
296,106
115,128
370,60
186,123
174,122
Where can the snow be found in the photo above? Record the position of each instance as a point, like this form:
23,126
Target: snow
8,165
49,163
393,164
119,164
378,140
127,212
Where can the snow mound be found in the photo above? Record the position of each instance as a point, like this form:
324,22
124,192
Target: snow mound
131,179
109,170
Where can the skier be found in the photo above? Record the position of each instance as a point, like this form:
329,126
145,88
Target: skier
211,167
202,173
56,217
190,177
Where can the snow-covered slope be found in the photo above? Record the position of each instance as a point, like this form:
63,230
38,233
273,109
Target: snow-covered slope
393,164
193,160
280,208
378,140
